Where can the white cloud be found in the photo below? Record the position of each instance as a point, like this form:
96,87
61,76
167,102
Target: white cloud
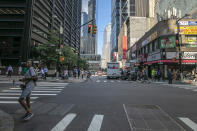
85,6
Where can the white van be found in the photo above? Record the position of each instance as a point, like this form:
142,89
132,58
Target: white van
113,70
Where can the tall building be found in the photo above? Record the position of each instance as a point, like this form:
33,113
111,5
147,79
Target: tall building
121,9
84,33
26,24
92,39
106,46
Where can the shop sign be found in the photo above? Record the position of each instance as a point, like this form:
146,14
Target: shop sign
190,23
154,57
191,40
168,42
150,38
187,30
189,55
170,55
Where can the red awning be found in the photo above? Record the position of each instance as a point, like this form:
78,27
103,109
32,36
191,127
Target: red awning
170,61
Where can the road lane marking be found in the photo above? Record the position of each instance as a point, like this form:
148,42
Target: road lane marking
39,89
11,102
18,94
61,126
127,117
118,81
112,81
96,123
16,91
98,81
105,81
15,97
189,123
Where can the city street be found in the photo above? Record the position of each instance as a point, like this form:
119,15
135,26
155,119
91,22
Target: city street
99,104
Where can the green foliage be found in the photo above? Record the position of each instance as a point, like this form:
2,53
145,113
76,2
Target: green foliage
48,53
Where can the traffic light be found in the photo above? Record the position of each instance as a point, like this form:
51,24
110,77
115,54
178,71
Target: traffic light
89,28
61,58
94,29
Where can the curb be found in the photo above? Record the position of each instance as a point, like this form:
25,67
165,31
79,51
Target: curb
6,122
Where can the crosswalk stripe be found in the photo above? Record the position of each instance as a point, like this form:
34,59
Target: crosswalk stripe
39,89
96,123
61,126
32,91
111,81
105,81
11,102
15,97
50,87
18,94
189,123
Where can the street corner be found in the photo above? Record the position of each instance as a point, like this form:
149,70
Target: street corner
6,121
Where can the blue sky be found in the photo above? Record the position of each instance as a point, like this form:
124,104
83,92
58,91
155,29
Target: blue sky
103,18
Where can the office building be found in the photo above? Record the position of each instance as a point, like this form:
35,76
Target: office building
92,39
84,33
106,46
25,24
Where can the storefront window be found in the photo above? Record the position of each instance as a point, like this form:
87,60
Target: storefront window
191,40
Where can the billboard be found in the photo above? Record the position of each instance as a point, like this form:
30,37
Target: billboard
124,47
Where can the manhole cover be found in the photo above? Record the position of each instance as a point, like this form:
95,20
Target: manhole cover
150,118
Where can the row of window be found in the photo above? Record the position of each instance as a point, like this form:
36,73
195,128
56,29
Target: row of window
40,32
11,11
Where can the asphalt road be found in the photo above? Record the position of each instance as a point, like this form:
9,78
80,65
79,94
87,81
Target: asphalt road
105,105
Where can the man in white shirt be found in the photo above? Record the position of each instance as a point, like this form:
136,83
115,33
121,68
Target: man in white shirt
30,83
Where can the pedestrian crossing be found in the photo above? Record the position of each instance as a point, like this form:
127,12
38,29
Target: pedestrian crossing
94,125
97,121
107,81
182,86
11,95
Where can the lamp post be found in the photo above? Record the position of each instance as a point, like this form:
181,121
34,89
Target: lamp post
177,38
58,48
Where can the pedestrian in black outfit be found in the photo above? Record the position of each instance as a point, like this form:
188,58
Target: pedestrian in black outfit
169,76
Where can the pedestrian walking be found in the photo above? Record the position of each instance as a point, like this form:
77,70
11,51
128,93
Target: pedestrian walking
66,74
79,73
25,70
158,75
82,74
19,70
10,71
29,80
45,72
169,76
153,74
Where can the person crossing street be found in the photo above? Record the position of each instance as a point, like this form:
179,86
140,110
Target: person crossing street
30,82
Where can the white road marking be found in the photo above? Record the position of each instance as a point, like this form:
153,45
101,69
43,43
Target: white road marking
112,81
98,81
96,123
39,89
18,94
61,126
49,87
189,123
105,81
118,81
15,97
11,102
32,91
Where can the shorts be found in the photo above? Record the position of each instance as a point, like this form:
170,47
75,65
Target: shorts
26,92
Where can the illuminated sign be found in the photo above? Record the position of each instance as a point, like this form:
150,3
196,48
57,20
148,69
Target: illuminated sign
187,30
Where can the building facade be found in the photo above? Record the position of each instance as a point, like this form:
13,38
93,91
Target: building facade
161,49
92,39
84,33
26,24
106,47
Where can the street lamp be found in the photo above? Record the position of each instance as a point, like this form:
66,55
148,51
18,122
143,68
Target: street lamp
58,47
177,38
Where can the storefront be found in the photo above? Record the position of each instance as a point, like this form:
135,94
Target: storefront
161,49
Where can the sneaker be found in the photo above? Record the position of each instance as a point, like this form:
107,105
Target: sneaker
24,115
29,115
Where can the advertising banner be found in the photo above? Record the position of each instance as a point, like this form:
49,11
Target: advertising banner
168,42
154,57
187,30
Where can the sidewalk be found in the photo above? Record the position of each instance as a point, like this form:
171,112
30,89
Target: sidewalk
49,79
